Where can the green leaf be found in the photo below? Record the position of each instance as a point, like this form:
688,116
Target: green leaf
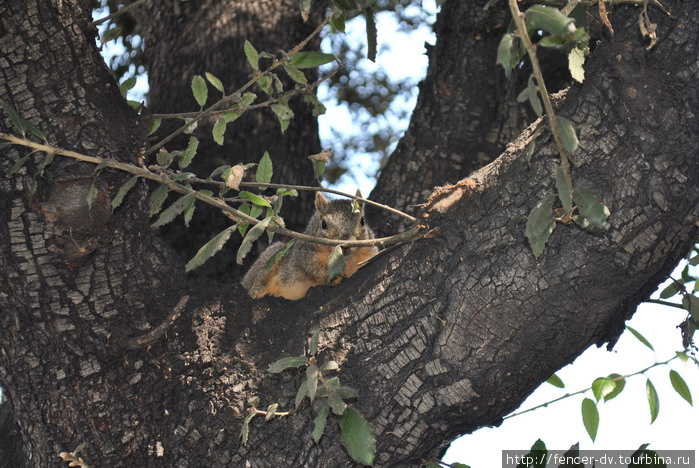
346,4
283,113
336,262
564,190
572,458
653,400
301,394
244,433
620,384
680,386
538,454
694,261
356,436
549,19
295,74
199,89
127,85
555,381
682,355
318,107
91,196
163,158
173,210
278,255
540,224
312,381
16,120
506,52
192,125
18,165
602,387
310,59
567,134
252,55
590,417
252,235
189,212
591,210
691,303
123,191
319,423
153,126
370,34
669,291
336,403
265,84
215,82
263,173
253,198
576,59
346,392
5,145
111,34
313,346
209,249
183,176
157,198
188,154
640,338
305,7
329,366
338,20
219,130
533,95
287,363
230,116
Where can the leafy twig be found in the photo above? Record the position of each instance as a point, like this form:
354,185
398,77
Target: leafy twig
116,13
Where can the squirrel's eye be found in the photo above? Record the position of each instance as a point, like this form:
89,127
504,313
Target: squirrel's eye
361,220
324,225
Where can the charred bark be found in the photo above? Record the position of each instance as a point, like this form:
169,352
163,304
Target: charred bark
439,337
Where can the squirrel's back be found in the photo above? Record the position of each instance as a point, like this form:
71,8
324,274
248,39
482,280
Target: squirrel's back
305,264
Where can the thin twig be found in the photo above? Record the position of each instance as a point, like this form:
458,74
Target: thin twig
153,335
116,13
230,212
665,303
518,17
227,99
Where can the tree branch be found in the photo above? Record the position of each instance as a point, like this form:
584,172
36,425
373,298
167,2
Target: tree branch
153,335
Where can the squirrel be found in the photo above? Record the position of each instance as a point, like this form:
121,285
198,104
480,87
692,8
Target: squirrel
305,263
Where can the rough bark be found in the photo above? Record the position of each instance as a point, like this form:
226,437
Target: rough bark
439,337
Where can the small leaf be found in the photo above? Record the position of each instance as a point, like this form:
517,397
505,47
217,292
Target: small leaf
265,84
590,417
555,381
18,165
691,303
127,85
682,355
263,174
680,386
271,409
286,363
163,158
330,365
336,262
301,394
346,392
209,249
17,121
91,196
533,95
653,400
313,346
336,403
620,384
319,423
356,437
173,210
640,338
190,128
119,198
157,198
252,235
218,130
602,387
338,21
295,74
188,154
183,176
505,53
199,89
246,428
567,134
591,209
310,59
283,113
252,55
255,199
312,380
215,82
565,191
278,255
153,126
346,4
370,34
111,34
233,176
572,457
540,224
576,59
669,291
549,19
305,7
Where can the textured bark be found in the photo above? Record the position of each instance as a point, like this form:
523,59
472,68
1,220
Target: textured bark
439,337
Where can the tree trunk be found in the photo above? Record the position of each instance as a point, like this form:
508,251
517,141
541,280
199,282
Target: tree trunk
439,337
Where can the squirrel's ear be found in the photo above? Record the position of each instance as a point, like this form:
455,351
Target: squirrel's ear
358,193
321,202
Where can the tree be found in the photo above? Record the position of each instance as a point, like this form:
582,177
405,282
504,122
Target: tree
107,342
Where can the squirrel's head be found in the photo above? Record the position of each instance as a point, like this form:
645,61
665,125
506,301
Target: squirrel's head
340,219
